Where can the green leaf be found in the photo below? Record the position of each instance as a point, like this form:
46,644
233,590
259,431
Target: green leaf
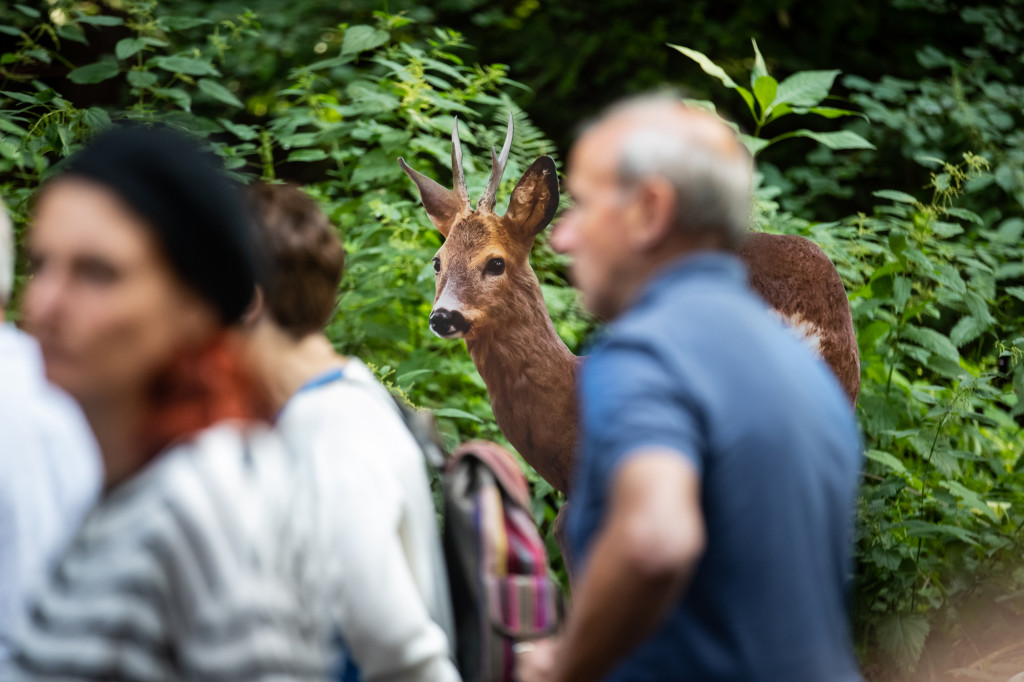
832,112
362,38
182,23
1016,291
96,118
760,68
126,47
454,413
192,66
840,139
1010,230
893,195
926,529
886,459
764,90
141,79
28,11
10,30
806,88
967,329
971,499
902,637
72,32
308,155
901,290
242,132
932,340
219,92
98,19
707,65
95,72
715,70
964,214
753,144
176,95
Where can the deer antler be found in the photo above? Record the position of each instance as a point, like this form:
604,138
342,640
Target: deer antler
486,202
458,176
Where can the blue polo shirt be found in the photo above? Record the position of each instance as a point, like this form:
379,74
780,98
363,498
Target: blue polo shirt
699,365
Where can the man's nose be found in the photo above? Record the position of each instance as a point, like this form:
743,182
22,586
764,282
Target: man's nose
563,234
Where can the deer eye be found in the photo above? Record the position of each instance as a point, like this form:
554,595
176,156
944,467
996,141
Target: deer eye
495,266
437,264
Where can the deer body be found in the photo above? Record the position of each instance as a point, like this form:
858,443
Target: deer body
531,379
487,294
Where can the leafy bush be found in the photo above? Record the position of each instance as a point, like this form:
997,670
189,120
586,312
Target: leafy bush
338,123
936,274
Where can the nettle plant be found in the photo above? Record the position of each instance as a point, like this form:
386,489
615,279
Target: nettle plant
936,296
768,100
337,123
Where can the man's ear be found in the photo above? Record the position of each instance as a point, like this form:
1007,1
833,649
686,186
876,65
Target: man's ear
444,206
654,207
534,200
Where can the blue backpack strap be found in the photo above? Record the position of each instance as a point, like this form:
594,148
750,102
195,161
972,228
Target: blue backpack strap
330,376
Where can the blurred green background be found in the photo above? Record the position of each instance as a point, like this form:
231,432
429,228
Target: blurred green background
902,155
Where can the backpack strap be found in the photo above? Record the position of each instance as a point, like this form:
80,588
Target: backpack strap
505,468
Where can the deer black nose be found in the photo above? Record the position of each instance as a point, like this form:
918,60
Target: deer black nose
447,322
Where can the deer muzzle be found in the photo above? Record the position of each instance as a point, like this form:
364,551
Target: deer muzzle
448,324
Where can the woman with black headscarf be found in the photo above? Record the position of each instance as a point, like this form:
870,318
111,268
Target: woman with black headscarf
191,564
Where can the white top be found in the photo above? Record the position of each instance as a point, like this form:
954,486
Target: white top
392,590
50,474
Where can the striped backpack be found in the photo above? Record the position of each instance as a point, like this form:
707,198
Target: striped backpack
502,592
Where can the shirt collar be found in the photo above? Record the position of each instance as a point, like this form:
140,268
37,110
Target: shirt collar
719,266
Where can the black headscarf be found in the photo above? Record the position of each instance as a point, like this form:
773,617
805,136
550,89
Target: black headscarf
193,208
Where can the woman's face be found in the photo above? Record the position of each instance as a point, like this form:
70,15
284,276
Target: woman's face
104,303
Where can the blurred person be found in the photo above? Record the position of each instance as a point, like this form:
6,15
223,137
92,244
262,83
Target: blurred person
713,502
49,465
191,565
391,597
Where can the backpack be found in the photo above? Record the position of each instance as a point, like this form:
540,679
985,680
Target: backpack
501,588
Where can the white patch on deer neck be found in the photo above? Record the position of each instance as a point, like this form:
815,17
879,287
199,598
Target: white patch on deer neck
805,330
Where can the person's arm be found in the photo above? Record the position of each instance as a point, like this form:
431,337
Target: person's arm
382,615
642,560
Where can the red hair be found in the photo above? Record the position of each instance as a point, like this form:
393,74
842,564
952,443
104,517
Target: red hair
199,388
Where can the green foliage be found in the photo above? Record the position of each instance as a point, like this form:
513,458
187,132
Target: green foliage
918,201
339,123
768,100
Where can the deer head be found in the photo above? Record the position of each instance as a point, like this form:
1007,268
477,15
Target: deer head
483,266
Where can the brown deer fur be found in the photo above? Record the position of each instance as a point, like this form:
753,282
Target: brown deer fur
529,373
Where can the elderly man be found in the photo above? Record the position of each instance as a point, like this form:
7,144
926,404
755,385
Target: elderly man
714,497
49,466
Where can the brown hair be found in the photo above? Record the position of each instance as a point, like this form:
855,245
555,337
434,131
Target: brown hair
305,258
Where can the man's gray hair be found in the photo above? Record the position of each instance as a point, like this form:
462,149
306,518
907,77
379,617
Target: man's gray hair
713,189
6,256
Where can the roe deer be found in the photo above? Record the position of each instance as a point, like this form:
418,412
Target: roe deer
488,295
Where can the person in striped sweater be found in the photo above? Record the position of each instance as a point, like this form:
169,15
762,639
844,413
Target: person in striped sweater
199,560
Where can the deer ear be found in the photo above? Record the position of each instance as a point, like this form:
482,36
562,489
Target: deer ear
535,198
443,206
